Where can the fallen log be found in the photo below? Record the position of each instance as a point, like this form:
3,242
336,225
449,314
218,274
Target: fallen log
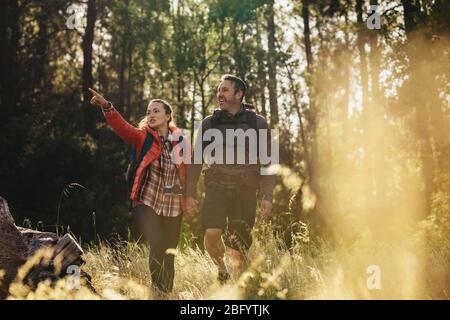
19,245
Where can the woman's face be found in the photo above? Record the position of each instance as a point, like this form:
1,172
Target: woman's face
156,115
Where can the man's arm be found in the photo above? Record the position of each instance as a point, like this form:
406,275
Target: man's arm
193,170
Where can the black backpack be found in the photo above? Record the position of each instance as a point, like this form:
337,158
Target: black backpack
249,109
135,162
251,120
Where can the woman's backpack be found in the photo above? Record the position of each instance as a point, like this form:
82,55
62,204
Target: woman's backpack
135,162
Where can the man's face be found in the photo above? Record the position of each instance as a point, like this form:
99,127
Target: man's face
227,95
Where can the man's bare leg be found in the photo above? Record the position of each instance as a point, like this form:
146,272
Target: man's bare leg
239,261
215,247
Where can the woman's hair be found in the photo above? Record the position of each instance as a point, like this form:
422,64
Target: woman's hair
167,107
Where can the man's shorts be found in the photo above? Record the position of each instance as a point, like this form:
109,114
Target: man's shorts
233,210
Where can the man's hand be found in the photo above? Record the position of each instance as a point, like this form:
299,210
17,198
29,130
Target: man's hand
191,206
97,99
266,208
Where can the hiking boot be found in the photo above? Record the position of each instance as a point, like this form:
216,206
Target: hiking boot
223,276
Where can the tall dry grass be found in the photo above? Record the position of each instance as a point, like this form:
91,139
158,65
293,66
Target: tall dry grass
309,269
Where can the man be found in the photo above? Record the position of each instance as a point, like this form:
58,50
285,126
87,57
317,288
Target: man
229,207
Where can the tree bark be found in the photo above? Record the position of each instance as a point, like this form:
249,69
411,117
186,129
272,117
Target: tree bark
300,119
87,78
312,117
18,244
9,38
41,81
181,118
420,107
377,122
262,78
307,34
194,100
272,66
129,85
123,61
366,111
347,80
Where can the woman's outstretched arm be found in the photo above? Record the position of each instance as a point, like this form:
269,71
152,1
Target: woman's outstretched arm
121,127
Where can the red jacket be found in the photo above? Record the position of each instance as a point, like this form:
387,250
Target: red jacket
135,137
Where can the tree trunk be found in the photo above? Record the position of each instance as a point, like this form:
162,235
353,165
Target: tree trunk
13,251
181,118
318,221
202,95
18,244
300,119
41,81
87,79
377,123
237,55
272,66
366,111
123,62
347,80
312,118
193,113
129,88
307,34
9,38
412,16
260,56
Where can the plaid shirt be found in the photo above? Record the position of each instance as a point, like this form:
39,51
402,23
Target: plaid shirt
161,172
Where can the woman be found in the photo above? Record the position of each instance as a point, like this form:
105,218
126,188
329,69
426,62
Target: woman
157,207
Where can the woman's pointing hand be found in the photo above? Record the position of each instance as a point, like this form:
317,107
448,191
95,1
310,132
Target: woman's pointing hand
97,99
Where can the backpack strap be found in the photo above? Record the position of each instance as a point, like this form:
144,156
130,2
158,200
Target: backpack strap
145,147
215,118
251,118
134,163
249,110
